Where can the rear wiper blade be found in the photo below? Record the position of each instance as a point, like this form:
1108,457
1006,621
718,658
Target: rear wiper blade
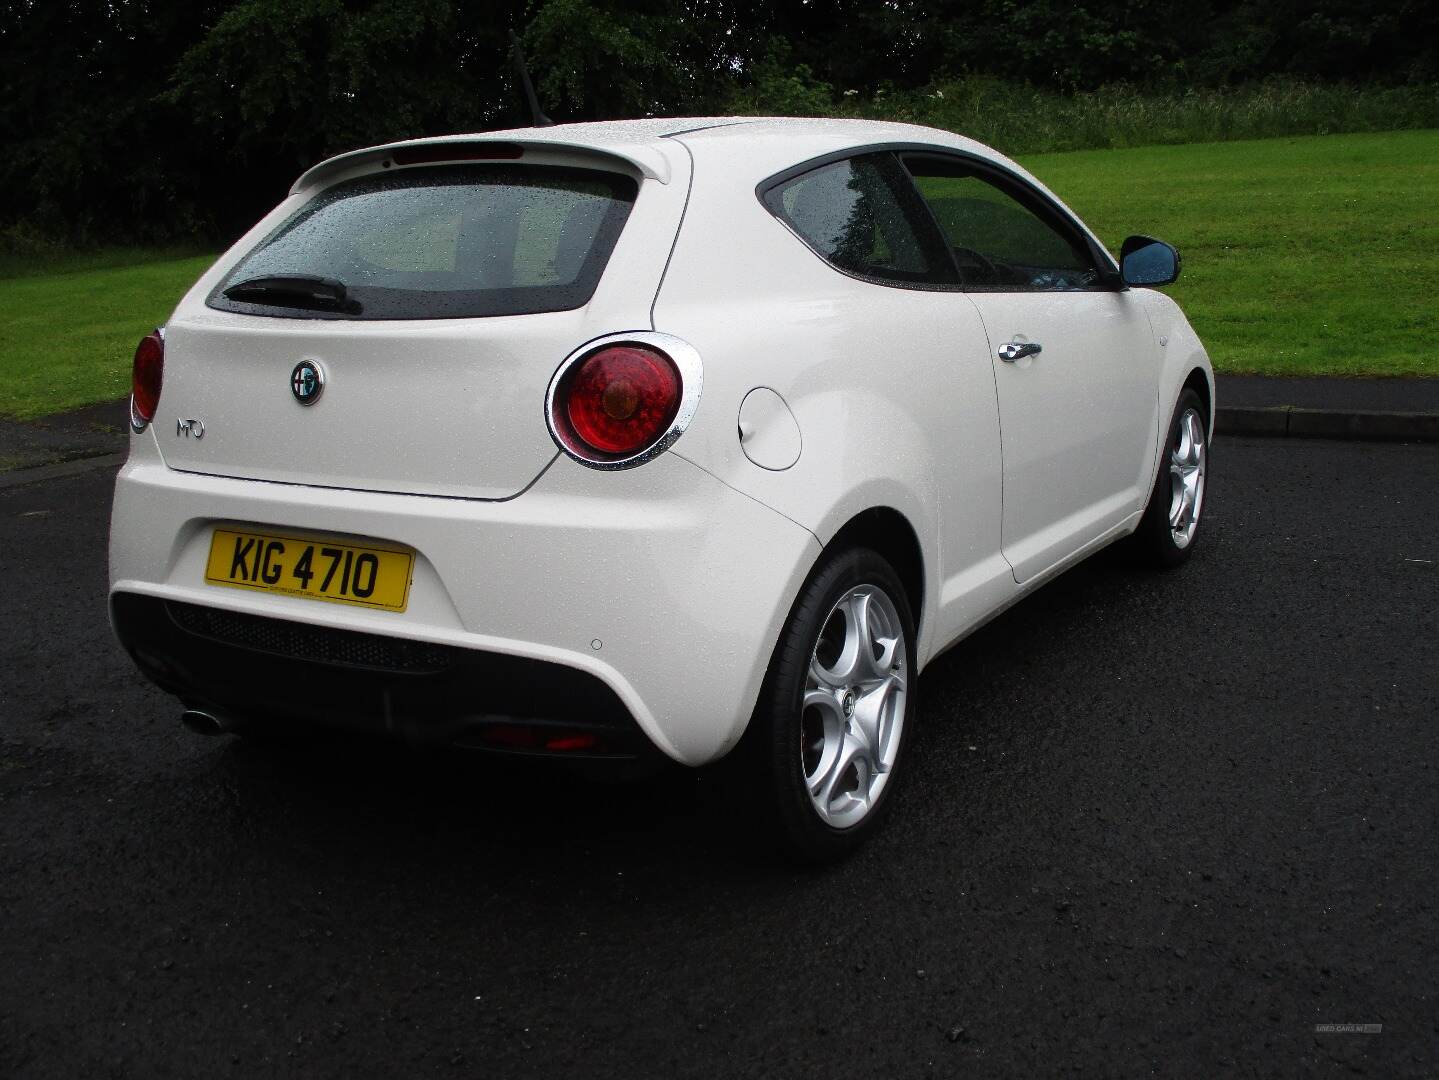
295,290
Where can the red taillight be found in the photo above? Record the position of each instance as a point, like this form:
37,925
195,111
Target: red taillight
145,378
617,402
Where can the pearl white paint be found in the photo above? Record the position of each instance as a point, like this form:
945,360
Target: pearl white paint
768,433
432,434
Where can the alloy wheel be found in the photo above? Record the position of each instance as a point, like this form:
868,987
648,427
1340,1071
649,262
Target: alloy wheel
854,706
1186,478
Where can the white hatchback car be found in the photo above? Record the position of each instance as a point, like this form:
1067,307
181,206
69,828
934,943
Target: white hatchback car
666,435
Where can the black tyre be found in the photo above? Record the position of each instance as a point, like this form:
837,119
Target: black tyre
837,708
1171,524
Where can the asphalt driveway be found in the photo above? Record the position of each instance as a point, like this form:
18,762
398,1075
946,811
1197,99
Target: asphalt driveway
1154,824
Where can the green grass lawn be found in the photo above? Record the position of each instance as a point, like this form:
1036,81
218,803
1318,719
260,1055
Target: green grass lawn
1316,255
1303,256
68,336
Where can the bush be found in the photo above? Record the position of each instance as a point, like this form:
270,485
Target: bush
1018,119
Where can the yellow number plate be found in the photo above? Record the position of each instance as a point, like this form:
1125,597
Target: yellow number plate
313,567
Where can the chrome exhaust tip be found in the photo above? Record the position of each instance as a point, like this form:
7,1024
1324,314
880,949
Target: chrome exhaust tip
204,723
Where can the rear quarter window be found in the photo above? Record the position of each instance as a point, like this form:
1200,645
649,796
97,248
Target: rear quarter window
450,241
863,216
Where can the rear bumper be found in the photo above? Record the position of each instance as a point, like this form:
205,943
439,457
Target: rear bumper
650,601
273,672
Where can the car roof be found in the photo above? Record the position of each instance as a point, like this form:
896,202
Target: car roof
752,146
762,146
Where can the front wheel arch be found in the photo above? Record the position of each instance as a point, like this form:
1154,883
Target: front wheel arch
1197,382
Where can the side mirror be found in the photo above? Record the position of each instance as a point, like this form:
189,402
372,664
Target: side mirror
1144,260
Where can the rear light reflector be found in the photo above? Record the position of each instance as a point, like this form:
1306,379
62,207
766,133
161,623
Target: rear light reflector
561,744
146,375
537,739
622,400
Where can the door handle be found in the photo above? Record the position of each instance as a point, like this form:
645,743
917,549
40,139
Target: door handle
1011,351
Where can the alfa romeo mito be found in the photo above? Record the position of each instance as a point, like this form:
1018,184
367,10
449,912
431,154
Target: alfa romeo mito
660,439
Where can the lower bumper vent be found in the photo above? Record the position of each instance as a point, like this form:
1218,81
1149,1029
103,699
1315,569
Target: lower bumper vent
299,641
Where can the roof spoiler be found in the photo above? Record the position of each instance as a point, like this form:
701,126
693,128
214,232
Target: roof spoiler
497,146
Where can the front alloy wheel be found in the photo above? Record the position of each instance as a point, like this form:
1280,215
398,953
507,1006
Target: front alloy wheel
1167,533
1186,476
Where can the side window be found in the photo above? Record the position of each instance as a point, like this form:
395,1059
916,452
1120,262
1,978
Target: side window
862,216
1000,243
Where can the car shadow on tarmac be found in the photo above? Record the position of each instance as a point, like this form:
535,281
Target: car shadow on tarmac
410,804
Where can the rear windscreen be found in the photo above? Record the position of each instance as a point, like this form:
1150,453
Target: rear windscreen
450,241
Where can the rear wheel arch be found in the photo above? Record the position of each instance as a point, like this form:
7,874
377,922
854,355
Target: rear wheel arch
888,533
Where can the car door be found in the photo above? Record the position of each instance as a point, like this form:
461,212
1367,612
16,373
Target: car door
1076,367
919,389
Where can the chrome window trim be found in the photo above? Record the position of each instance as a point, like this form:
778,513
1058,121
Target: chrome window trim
684,356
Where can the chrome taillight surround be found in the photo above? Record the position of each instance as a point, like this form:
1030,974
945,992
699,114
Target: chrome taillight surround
685,358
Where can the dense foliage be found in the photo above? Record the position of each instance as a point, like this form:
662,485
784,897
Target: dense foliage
148,121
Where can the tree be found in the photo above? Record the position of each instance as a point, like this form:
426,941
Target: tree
149,120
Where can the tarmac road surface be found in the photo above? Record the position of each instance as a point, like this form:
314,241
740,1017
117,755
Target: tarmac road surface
1153,823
